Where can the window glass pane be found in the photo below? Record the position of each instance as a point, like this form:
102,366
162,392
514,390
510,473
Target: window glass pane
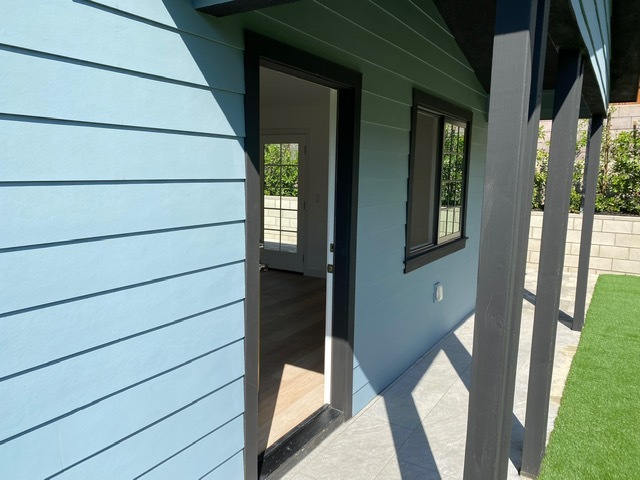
290,154
448,138
289,221
272,180
453,141
437,178
459,165
289,181
423,180
447,166
272,154
451,182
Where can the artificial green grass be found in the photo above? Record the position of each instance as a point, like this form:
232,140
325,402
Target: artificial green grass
597,431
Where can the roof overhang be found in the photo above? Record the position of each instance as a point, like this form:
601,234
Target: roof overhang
222,8
625,51
476,41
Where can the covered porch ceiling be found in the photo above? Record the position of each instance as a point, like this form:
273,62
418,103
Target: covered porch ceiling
476,41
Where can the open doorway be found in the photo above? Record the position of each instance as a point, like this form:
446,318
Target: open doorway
327,241
297,126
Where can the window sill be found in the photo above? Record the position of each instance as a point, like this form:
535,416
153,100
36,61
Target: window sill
433,254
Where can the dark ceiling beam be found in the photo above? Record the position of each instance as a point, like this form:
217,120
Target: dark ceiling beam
625,51
474,37
223,8
476,42
564,33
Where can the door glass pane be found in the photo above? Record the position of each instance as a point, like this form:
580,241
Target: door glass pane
280,188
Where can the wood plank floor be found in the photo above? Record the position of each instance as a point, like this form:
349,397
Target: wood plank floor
291,352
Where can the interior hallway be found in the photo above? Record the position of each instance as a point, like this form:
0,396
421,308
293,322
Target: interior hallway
291,352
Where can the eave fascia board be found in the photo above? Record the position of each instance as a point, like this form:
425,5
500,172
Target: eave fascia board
223,8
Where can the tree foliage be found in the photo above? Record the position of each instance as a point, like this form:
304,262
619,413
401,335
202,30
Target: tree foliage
542,169
280,174
619,178
618,188
452,165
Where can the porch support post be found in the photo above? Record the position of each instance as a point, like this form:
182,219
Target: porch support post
566,109
516,81
591,169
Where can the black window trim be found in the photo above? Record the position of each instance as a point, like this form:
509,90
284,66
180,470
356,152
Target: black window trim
418,256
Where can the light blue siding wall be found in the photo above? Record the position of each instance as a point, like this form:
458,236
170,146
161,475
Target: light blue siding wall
396,45
121,198
594,22
122,241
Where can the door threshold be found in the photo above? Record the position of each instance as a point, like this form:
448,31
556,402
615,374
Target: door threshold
287,452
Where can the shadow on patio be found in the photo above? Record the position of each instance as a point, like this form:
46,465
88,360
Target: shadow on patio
416,428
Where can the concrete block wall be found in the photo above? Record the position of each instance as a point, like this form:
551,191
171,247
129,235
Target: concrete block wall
615,246
280,220
625,117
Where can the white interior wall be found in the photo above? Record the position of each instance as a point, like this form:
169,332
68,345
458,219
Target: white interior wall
304,110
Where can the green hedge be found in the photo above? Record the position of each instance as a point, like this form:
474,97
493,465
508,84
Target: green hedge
618,190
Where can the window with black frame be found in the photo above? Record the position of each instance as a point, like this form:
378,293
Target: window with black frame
437,180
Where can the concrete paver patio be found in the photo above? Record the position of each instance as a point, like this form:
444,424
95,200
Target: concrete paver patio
416,428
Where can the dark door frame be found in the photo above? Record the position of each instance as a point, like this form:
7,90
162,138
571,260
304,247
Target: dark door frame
263,51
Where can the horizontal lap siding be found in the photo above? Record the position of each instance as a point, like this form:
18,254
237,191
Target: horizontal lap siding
397,46
122,248
39,276
72,382
85,152
66,90
33,338
58,213
124,34
137,417
179,15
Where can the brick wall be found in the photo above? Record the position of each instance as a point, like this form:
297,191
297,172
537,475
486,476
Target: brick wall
615,246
